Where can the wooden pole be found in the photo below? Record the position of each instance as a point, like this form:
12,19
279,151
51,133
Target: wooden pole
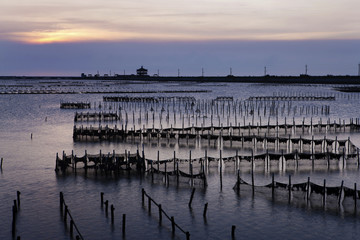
18,198
160,213
252,172
192,196
71,227
289,188
324,193
205,209
142,195
233,227
13,220
308,189
112,213
15,205
272,186
66,212
102,198
124,224
172,224
220,161
106,206
355,197
340,193
61,201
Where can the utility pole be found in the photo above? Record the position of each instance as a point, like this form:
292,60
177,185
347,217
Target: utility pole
178,72
265,71
202,72
306,69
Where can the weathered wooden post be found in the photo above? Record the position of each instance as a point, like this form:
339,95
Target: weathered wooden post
71,227
174,161
205,209
238,181
289,188
187,236
343,159
172,224
149,203
102,198
66,212
308,190
272,186
13,220
106,206
143,196
15,205
158,160
112,213
160,213
340,193
192,196
233,227
355,197
18,198
61,201
1,163
252,172
324,193
124,224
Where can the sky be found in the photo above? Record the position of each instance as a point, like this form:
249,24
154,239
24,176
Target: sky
41,37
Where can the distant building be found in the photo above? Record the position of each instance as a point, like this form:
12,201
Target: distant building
142,71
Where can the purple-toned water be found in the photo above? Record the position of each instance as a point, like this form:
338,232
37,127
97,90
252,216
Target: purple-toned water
29,165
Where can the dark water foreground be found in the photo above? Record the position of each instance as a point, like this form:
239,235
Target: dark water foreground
29,165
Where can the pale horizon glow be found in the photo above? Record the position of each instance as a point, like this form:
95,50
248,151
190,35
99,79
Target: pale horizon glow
42,37
41,21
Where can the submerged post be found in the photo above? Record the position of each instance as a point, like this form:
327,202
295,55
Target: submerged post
61,201
289,188
252,172
272,186
112,213
18,198
142,195
124,224
172,224
160,213
340,193
192,196
308,189
106,206
355,197
324,193
66,212
233,227
205,209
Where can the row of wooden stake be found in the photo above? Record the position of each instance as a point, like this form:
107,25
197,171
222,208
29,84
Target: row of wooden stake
65,215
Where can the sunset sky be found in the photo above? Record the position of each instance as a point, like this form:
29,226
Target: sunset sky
67,37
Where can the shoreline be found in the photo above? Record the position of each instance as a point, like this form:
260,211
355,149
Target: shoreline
302,79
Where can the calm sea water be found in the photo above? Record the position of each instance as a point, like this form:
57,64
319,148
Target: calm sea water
29,168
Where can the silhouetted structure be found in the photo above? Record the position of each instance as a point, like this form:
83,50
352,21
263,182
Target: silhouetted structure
142,71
